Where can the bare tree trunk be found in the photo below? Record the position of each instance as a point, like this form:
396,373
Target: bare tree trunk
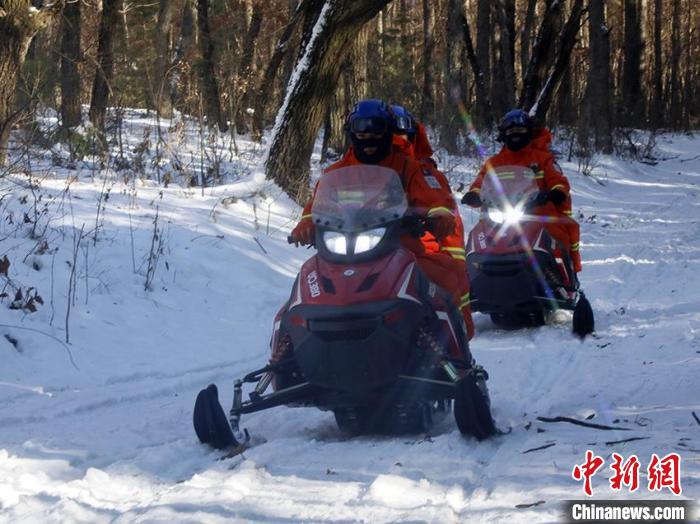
314,80
631,72
504,73
688,98
541,50
482,113
246,81
427,102
675,110
450,123
161,95
184,43
526,36
469,47
102,85
598,90
70,75
207,72
560,74
262,100
657,102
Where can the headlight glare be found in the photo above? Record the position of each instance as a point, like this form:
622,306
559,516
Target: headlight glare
335,242
510,216
496,215
369,239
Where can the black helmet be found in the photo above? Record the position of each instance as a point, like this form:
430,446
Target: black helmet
515,129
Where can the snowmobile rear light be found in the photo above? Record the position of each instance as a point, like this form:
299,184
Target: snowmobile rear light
297,320
394,316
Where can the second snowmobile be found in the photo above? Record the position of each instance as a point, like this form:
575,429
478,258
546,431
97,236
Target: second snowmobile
518,270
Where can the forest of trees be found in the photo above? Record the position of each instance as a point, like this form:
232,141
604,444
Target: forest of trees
596,66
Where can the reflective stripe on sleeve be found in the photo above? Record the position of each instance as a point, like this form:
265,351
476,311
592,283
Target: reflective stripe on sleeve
304,217
558,186
575,246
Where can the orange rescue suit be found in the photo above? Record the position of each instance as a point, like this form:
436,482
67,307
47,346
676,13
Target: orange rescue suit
549,176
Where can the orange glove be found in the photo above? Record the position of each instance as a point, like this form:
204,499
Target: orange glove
441,224
304,233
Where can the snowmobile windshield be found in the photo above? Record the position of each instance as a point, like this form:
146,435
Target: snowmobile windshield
358,198
509,187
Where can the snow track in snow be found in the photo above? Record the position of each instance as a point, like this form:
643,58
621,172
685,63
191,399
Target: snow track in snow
113,440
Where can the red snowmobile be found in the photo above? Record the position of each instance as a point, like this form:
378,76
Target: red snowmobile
518,271
364,333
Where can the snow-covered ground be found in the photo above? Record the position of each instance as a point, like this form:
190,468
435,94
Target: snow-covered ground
99,430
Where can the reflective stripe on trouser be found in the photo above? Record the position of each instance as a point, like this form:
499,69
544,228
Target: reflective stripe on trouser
455,252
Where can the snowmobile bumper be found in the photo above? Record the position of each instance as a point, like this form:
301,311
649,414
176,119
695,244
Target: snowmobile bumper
515,283
357,348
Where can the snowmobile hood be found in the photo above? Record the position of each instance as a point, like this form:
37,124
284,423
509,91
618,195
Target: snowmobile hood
325,283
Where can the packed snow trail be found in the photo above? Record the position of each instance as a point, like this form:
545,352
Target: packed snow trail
112,441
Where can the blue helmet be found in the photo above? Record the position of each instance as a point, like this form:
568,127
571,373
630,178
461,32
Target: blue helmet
370,116
405,123
515,118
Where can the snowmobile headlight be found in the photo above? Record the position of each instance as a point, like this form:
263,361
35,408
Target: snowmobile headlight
510,216
369,239
335,242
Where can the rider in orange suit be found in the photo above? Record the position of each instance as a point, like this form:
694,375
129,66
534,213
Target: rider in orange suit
523,148
371,127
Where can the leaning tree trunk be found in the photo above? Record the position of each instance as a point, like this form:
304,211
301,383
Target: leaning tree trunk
268,81
314,79
533,76
207,72
19,22
102,86
70,75
559,77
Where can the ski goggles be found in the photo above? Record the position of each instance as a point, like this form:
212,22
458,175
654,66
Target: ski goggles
516,130
404,124
372,125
